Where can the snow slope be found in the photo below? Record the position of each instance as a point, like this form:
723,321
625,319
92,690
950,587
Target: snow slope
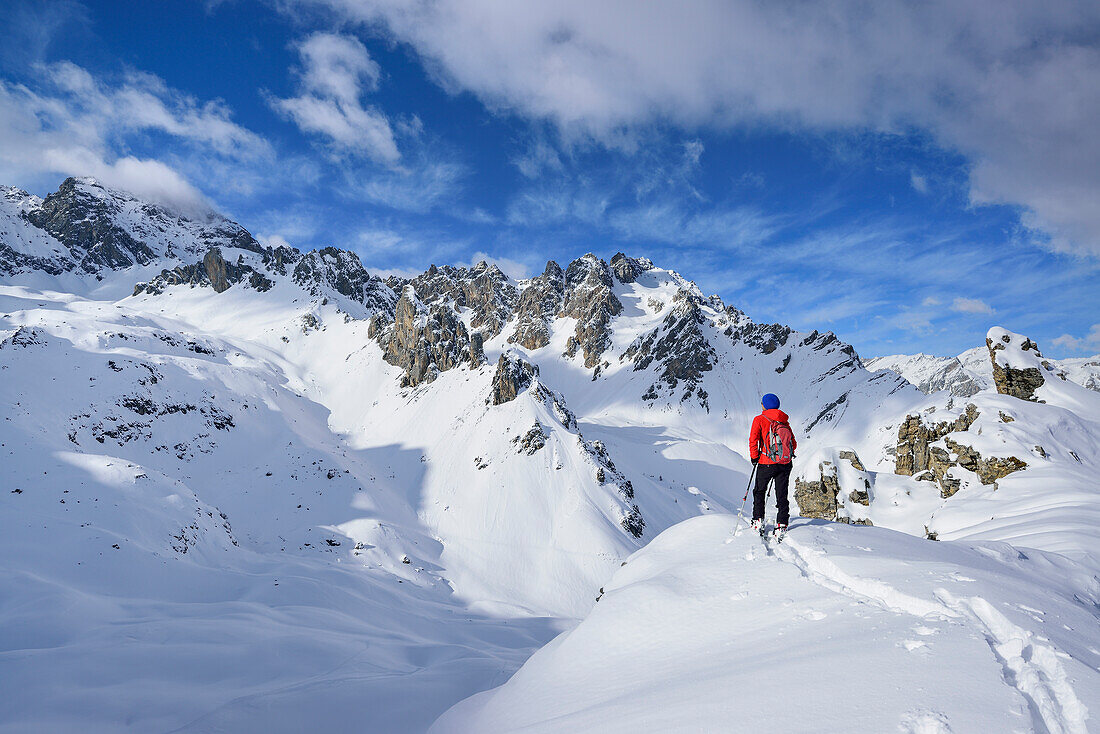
837,629
179,548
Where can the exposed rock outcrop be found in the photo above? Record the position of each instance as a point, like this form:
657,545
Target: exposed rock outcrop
681,349
531,441
914,438
919,455
627,269
606,473
425,341
212,271
341,271
513,375
989,470
538,304
817,498
1017,366
589,299
838,482
484,289
217,271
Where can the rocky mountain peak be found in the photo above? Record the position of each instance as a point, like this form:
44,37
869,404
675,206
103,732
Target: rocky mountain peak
425,340
18,196
343,272
81,214
681,349
627,269
588,298
537,305
95,228
484,289
928,373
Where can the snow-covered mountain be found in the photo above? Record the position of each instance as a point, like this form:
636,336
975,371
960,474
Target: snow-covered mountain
972,372
250,487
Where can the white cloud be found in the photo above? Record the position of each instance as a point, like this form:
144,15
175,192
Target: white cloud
1089,342
1015,87
919,183
971,305
931,301
420,187
336,72
73,123
539,156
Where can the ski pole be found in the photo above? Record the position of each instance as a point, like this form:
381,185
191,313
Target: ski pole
737,529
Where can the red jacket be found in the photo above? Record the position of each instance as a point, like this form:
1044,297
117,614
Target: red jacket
760,427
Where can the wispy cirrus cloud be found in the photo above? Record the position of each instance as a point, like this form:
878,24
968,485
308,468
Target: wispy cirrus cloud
971,305
336,73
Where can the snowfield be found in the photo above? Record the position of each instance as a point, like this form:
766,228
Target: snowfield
838,628
222,511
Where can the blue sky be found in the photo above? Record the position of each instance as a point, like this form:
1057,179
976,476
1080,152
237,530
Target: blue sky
904,176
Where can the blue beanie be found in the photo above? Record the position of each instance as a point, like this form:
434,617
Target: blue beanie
770,401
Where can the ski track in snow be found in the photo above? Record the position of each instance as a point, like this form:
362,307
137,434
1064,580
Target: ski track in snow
818,568
1030,667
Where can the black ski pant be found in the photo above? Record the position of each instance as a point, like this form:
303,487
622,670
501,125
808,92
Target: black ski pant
765,473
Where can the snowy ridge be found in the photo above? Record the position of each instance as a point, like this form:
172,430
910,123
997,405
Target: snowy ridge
939,641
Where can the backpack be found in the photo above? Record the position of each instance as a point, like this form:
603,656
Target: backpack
778,442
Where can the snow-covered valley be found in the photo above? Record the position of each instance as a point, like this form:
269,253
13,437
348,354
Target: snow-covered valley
247,488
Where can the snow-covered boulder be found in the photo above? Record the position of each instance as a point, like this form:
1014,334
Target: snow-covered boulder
1017,363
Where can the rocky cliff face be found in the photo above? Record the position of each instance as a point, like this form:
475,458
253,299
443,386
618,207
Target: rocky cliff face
340,271
426,340
212,271
589,299
513,375
484,289
680,347
537,306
